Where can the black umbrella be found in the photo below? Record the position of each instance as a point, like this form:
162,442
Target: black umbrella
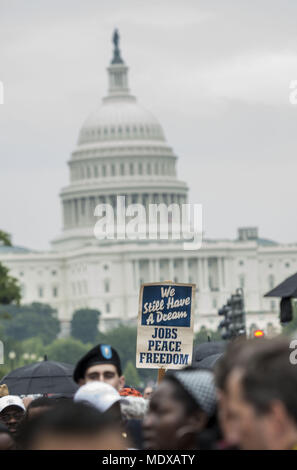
204,350
46,377
286,290
208,362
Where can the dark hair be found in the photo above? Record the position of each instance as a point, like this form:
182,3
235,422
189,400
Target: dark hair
270,376
239,353
69,418
41,402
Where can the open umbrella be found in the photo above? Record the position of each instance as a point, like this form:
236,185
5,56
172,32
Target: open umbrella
205,355
208,362
46,377
286,290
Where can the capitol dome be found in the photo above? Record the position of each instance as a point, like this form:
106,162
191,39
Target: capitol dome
121,118
121,150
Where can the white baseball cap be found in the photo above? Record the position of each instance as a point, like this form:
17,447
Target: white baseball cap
98,394
11,400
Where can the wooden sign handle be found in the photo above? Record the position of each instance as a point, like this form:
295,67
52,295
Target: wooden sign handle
161,373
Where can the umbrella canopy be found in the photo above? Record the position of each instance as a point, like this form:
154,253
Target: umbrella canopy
208,362
204,350
41,377
287,288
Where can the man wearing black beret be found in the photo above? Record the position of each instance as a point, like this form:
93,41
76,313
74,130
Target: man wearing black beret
102,363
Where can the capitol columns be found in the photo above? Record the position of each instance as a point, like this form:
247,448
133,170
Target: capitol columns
171,270
205,274
199,274
185,270
157,270
220,272
136,266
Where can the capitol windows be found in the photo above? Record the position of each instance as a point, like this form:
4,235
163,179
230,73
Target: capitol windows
120,131
122,169
149,169
113,170
105,131
40,291
55,291
88,172
23,290
242,281
83,206
103,170
107,308
131,169
271,281
96,171
106,286
156,168
272,305
287,265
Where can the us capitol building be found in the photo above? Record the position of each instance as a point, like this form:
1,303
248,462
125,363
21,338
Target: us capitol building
122,150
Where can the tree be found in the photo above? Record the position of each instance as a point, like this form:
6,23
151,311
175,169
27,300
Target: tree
67,350
84,325
10,291
123,339
203,335
35,320
5,238
131,375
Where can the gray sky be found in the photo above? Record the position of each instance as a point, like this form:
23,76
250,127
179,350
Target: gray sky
216,74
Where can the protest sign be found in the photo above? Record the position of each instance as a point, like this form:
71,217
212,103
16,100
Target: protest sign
165,325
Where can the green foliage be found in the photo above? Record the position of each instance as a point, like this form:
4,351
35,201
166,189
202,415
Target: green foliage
84,325
32,320
5,238
10,290
131,375
68,350
123,339
203,334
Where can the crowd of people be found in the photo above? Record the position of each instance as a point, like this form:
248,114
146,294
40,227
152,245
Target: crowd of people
245,400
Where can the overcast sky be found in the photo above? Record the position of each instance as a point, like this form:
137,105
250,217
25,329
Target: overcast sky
215,73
